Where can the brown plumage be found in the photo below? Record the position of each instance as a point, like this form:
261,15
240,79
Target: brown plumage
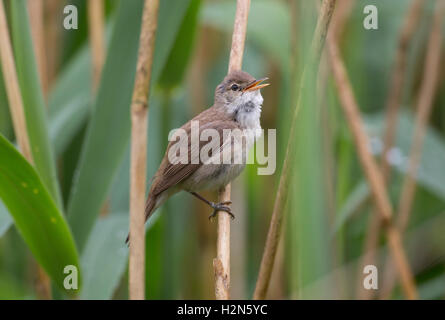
237,106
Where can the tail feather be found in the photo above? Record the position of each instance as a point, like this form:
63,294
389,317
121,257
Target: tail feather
149,209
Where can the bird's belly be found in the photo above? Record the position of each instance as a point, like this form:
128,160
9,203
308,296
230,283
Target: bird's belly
212,176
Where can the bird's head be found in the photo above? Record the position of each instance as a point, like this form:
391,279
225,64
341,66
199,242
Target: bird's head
239,93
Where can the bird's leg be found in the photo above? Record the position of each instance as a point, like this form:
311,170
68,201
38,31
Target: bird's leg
221,206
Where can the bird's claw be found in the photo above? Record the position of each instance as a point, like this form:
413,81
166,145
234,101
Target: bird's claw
221,206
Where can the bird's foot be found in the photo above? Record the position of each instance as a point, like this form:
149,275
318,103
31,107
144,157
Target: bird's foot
221,206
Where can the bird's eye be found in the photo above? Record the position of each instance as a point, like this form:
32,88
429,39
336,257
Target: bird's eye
234,87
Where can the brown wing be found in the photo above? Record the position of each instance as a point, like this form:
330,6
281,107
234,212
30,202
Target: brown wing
172,174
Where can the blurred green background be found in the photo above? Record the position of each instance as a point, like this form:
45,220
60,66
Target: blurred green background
87,132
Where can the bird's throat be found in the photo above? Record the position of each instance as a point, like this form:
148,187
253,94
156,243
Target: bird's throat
246,110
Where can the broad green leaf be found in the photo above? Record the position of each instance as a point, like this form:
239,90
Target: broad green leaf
309,241
179,56
69,106
35,214
109,130
34,105
170,17
66,112
104,258
70,100
72,42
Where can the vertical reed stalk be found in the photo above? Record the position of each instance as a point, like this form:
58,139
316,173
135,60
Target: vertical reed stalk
139,119
221,263
274,233
424,109
371,170
19,121
394,100
96,35
13,88
340,18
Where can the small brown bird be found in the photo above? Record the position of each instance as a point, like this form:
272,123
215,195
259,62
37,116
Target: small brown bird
237,107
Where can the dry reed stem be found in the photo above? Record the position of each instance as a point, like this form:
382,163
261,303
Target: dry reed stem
42,283
340,18
424,109
221,263
407,32
139,119
274,233
371,170
36,13
239,35
43,288
13,88
97,40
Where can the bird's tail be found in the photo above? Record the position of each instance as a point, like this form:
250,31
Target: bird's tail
150,207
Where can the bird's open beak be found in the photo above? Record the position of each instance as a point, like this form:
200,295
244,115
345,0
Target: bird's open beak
256,85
